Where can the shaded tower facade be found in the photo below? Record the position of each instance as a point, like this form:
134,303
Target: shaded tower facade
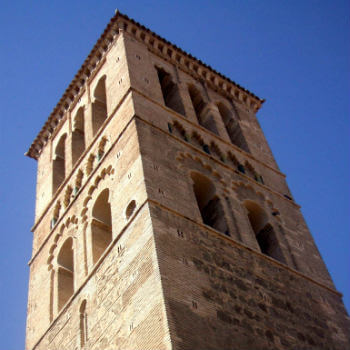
162,219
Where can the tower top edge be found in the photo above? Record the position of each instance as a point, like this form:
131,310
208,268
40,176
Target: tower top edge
117,23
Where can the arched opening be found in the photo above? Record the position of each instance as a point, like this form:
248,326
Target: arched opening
101,226
264,232
170,91
83,324
203,114
209,203
59,164
197,140
65,276
130,209
179,131
99,107
78,135
232,127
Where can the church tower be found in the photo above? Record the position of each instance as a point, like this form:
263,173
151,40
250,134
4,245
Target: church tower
162,220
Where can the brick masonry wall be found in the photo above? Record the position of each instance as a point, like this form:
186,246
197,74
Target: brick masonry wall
166,281
167,176
125,307
222,296
124,296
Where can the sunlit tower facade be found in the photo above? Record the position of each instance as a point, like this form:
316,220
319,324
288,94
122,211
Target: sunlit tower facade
162,219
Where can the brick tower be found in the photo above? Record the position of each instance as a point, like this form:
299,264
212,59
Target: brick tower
162,220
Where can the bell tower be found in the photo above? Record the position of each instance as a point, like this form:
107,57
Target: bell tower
162,220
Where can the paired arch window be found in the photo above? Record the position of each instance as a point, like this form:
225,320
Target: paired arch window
59,163
65,273
209,203
170,91
99,106
78,135
264,232
99,115
101,225
232,127
203,114
212,212
101,237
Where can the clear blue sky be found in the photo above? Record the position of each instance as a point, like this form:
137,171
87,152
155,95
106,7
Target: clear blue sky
293,53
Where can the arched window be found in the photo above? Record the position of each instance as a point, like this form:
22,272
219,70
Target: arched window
232,127
101,227
209,203
130,209
99,107
203,114
83,324
170,91
59,166
78,135
264,232
65,273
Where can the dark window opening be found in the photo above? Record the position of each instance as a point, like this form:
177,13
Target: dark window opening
170,91
78,136
259,178
59,166
65,288
209,203
101,229
99,107
232,127
241,168
264,232
203,114
268,243
130,209
206,148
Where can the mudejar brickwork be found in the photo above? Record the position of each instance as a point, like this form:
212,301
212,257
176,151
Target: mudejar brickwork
162,219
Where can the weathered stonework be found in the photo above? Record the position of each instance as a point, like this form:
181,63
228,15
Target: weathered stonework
162,220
